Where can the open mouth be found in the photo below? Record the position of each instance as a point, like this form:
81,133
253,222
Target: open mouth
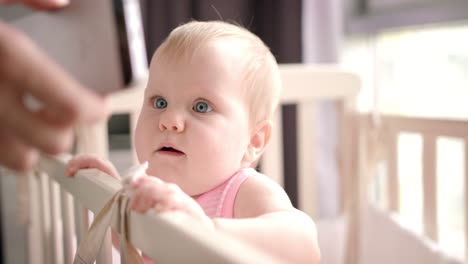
170,150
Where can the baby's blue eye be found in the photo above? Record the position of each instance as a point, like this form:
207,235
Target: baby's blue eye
202,107
160,103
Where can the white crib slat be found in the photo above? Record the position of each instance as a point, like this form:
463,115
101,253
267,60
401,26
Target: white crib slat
357,192
35,247
272,160
430,187
81,221
133,121
466,198
56,241
93,139
307,184
344,157
44,210
393,188
68,220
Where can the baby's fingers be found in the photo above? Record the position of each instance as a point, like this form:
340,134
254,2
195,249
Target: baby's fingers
143,198
156,194
90,161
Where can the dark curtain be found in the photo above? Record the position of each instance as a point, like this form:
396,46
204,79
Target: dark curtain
276,22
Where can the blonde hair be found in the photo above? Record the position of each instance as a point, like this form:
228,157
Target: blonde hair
261,75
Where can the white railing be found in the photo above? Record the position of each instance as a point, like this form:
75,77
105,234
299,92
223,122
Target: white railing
306,86
430,130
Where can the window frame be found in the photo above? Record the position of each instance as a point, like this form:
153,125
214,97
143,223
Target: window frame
362,18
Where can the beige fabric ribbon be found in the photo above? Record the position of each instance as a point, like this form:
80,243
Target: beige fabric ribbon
91,245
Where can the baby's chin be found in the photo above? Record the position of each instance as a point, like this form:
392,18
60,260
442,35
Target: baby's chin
171,177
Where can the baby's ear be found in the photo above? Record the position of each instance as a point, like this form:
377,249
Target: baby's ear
258,140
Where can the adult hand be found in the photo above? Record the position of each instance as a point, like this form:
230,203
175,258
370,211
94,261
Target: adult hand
25,70
39,4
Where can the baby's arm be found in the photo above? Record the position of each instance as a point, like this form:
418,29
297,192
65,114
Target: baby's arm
264,216
265,219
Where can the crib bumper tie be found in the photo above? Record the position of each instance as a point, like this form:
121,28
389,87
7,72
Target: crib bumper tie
91,245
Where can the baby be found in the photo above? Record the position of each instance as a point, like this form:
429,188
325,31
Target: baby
205,121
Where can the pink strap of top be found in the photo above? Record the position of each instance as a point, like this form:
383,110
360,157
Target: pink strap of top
219,202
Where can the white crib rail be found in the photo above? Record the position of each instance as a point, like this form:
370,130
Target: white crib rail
306,85
165,238
430,130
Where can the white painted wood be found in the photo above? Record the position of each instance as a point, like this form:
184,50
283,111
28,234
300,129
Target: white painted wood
343,153
439,127
69,242
44,210
272,160
465,192
307,83
429,183
134,115
429,129
93,139
393,182
81,220
357,193
56,241
128,100
307,182
159,236
347,149
36,249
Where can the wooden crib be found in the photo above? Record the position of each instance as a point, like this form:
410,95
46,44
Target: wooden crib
57,220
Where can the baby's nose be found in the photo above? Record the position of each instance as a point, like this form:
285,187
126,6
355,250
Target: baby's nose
171,122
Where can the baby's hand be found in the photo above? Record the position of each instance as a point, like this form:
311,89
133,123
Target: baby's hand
87,161
153,193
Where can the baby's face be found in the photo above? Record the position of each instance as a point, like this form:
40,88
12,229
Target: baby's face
194,125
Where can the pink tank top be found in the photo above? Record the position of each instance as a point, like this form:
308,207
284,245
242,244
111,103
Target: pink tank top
219,202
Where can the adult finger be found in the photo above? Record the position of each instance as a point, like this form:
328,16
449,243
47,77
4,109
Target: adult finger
39,4
25,67
27,125
46,4
15,154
